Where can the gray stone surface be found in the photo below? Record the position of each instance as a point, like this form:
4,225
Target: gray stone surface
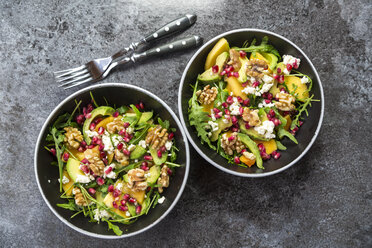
323,201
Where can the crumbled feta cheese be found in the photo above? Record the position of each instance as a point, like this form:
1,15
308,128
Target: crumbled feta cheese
75,190
249,90
266,88
263,104
83,179
225,121
218,104
168,144
147,174
112,174
136,160
288,59
130,130
119,186
286,72
127,214
106,140
99,214
161,200
266,129
209,134
142,143
304,80
116,139
234,107
91,133
64,180
213,125
213,117
131,147
267,79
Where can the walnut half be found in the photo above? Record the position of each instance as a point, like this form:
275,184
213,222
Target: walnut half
156,137
207,95
285,101
79,198
255,68
251,116
137,180
231,144
73,137
121,157
163,180
115,126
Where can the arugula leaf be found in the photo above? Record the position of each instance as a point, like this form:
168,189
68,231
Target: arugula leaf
173,156
282,132
138,115
59,151
222,94
164,124
199,119
122,109
139,135
70,205
280,145
113,227
263,47
302,108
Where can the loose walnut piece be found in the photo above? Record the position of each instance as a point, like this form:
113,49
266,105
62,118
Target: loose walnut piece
115,126
95,162
137,180
73,137
249,155
163,180
79,198
207,95
251,116
157,137
285,101
234,59
231,144
255,68
121,158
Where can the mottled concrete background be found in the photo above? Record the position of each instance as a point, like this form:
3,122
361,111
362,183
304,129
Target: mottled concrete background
323,201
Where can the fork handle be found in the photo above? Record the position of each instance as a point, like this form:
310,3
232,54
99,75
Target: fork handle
172,27
178,45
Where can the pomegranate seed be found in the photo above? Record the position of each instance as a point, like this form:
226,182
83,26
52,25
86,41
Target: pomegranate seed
230,100
137,106
240,100
97,120
85,169
144,167
267,101
126,139
283,90
101,147
229,69
237,160
81,149
279,70
215,68
100,181
301,123
265,156
159,154
104,160
289,67
85,111
241,110
277,155
144,163
115,114
270,96
101,130
255,84
83,143
65,156
236,74
138,209
169,171
170,136
246,102
295,129
261,147
90,146
216,110
219,115
163,149
126,152
102,154
231,138
148,188
80,119
281,79
92,126
264,95
234,119
89,108
126,197
120,146
243,151
53,151
235,129
85,161
123,208
227,111
116,193
87,116
247,126
99,142
295,65
272,113
114,204
94,140
147,157
126,124
123,202
242,54
276,76
224,105
277,122
227,117
91,191
141,105
132,200
223,72
110,188
108,170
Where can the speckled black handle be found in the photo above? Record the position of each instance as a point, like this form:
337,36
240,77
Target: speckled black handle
172,27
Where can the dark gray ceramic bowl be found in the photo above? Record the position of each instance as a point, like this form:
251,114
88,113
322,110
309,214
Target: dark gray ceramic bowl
119,94
308,132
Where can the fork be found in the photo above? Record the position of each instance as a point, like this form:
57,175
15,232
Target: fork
98,69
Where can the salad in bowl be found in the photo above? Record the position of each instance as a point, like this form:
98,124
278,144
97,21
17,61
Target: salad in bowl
247,100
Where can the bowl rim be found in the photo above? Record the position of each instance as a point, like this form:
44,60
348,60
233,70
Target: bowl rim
182,82
122,85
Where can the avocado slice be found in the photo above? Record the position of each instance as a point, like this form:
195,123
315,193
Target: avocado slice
146,116
243,70
156,159
73,169
221,126
251,132
274,89
208,76
131,209
100,111
272,59
138,152
154,174
252,146
130,117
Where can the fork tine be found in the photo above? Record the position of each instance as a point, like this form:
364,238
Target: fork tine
73,75
68,71
74,80
78,83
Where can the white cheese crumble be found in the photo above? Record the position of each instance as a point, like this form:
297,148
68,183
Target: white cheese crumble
64,180
147,174
213,125
91,133
288,59
83,179
249,90
304,80
116,139
112,174
286,72
234,107
168,144
130,130
106,140
161,200
266,129
263,104
142,143
131,147
99,214
213,117
127,214
267,79
119,186
225,121
266,88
